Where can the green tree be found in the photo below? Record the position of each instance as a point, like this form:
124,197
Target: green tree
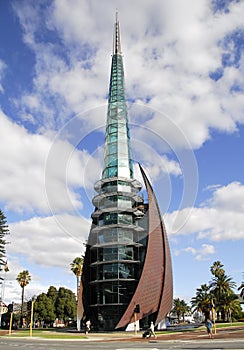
232,307
44,309
184,309
217,269
76,268
220,293
52,294
203,300
65,305
55,304
180,308
221,287
23,279
241,288
3,232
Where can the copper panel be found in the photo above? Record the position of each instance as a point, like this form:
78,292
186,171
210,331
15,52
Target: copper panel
155,285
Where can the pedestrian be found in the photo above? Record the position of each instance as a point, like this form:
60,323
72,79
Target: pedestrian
88,326
152,330
209,327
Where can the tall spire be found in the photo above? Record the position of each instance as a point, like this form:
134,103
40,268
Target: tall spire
127,239
117,44
117,160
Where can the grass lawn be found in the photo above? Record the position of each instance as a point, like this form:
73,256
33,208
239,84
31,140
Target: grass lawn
218,326
48,334
234,324
53,333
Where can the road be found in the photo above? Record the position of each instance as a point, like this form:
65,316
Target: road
40,344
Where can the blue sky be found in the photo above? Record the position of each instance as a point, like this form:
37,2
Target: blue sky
184,76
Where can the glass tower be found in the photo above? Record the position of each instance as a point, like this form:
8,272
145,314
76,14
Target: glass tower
117,161
115,258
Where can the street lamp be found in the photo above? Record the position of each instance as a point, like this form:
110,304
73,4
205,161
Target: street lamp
30,306
6,269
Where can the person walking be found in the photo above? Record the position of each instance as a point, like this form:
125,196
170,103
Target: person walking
152,330
88,326
209,327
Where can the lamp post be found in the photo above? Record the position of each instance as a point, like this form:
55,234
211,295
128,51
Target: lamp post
32,301
11,311
136,311
213,316
6,269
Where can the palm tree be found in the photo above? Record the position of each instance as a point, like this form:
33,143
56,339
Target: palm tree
223,283
184,309
202,302
76,268
231,305
180,308
217,269
23,279
177,308
222,287
241,288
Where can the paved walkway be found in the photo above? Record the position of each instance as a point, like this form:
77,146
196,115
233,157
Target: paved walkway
223,333
236,332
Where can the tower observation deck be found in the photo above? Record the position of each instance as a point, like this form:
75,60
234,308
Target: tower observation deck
127,257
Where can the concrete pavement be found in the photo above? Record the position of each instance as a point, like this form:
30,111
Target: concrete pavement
236,332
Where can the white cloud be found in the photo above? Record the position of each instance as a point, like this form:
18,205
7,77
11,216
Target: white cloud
179,82
77,25
44,245
49,241
169,54
39,174
156,165
229,198
12,291
222,220
40,279
64,82
200,253
22,171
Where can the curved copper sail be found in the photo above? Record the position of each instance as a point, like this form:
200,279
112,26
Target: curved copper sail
154,292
